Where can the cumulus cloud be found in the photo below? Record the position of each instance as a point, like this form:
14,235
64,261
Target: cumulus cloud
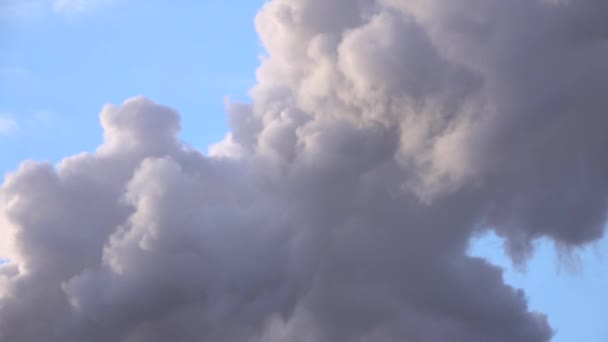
382,136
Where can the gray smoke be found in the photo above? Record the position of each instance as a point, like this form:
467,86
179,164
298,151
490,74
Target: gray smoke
382,137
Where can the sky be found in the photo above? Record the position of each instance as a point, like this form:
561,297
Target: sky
62,61
60,66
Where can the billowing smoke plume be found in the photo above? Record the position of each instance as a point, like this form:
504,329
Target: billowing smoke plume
382,136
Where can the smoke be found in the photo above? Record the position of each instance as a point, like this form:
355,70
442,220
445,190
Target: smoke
382,137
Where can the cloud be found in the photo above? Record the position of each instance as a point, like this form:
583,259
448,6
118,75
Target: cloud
7,125
382,137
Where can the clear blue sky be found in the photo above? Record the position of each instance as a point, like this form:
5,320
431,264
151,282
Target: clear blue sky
60,65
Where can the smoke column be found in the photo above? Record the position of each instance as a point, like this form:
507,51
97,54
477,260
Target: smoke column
383,135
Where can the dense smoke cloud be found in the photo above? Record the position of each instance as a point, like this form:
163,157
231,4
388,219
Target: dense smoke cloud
382,136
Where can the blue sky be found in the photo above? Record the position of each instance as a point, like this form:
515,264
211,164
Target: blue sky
58,69
571,289
62,61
